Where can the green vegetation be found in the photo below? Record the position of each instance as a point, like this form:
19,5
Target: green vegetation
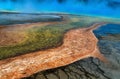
40,38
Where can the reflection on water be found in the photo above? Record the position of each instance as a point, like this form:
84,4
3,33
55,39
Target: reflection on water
98,7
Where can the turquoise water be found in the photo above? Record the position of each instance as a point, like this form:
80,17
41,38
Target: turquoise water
110,8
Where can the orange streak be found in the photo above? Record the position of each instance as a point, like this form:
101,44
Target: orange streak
77,44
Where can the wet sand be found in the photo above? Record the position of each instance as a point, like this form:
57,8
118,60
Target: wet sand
77,44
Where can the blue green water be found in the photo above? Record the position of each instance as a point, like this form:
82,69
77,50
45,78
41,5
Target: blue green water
107,29
109,8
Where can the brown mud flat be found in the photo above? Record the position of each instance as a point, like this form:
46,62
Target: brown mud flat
77,44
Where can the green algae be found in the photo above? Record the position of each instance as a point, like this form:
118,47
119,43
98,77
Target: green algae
38,39
41,38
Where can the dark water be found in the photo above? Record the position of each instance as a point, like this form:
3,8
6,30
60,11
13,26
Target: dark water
21,18
109,8
107,30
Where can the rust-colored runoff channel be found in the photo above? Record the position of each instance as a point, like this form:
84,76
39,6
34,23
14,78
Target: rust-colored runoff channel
77,44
